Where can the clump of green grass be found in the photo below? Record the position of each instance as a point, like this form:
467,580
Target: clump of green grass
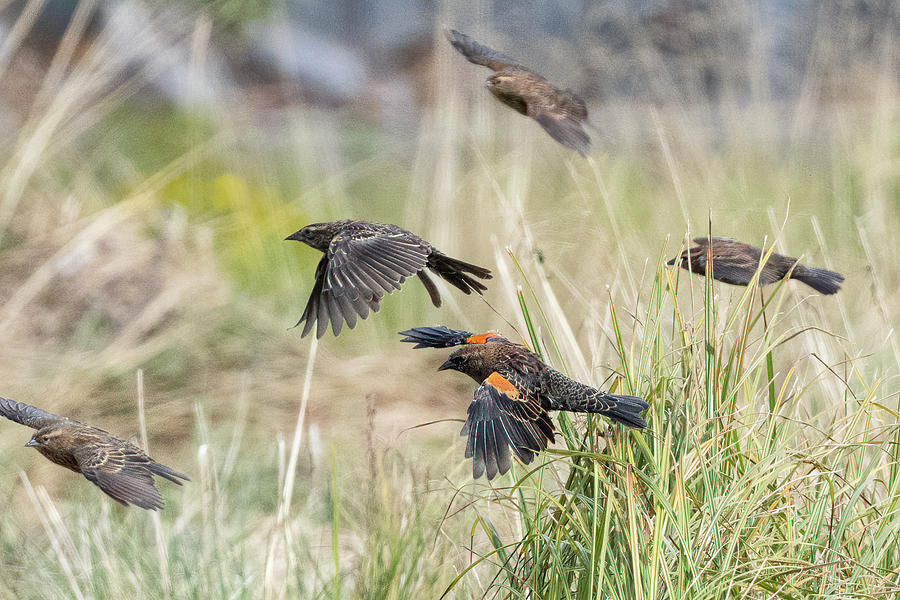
734,490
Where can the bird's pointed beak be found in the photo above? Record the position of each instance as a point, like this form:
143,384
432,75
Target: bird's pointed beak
448,364
672,262
31,443
295,237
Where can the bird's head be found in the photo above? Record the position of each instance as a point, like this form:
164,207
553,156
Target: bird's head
473,360
691,259
317,235
681,260
46,437
500,83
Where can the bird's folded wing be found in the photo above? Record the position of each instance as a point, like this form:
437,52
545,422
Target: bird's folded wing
121,472
444,337
25,414
500,418
735,263
478,53
704,241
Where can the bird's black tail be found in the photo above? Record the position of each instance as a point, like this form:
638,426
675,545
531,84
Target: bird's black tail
456,272
435,337
822,280
626,410
571,395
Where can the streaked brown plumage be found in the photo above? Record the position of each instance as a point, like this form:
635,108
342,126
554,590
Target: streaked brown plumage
363,261
516,390
736,262
560,112
117,467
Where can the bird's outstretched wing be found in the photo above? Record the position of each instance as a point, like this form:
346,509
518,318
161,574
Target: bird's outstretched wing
124,473
477,53
377,261
503,417
359,267
444,337
561,114
25,414
323,306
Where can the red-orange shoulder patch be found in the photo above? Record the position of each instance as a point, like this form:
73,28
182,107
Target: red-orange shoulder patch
481,338
502,384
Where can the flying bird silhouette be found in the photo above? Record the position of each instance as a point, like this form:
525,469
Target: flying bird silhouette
735,263
119,468
363,261
516,390
560,112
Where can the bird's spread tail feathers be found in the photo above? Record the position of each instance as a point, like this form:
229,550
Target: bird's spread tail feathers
435,337
626,410
822,280
444,337
456,272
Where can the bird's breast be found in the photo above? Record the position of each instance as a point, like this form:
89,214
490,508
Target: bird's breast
513,101
63,459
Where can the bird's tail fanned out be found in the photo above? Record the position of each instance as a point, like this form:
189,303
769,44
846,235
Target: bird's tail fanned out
822,280
626,410
456,272
435,337
444,337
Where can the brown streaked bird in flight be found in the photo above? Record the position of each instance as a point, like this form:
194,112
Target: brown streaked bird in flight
363,261
560,112
119,468
735,263
516,390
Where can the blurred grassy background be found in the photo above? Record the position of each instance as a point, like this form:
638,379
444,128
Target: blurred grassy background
142,228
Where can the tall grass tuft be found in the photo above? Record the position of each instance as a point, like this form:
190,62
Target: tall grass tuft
733,491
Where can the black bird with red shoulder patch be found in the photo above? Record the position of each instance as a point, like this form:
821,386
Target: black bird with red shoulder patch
363,261
119,468
516,390
560,112
735,262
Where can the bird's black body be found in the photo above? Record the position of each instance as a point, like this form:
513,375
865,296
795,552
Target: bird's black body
560,112
516,391
736,262
363,261
119,468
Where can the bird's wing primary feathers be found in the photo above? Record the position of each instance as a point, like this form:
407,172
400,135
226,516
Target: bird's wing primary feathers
323,305
372,261
477,53
444,337
560,114
503,417
25,414
123,473
359,267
